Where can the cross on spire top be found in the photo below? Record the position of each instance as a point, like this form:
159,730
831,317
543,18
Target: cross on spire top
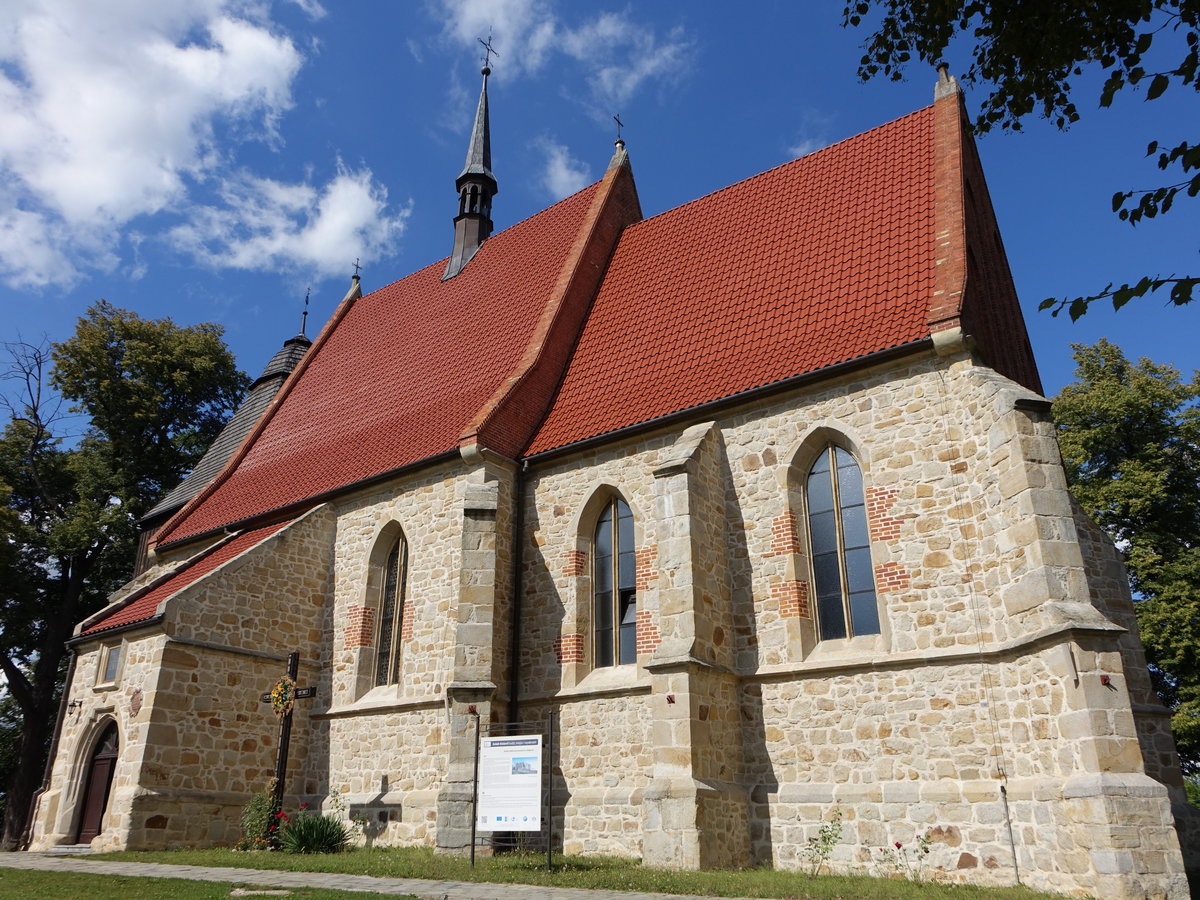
304,315
488,53
356,266
620,124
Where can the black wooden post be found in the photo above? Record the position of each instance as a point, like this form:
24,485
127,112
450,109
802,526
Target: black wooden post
285,736
285,727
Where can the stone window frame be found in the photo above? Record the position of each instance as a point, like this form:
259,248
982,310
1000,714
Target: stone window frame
393,592
578,621
389,535
107,652
615,597
803,632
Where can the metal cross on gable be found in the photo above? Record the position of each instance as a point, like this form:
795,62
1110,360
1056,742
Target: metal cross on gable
620,124
285,726
356,266
489,52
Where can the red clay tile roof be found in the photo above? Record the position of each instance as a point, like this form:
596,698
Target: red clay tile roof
821,260
143,606
401,375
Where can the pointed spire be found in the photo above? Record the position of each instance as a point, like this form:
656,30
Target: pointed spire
479,150
476,184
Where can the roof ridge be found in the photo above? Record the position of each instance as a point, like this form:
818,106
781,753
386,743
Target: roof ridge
791,162
614,205
496,234
276,403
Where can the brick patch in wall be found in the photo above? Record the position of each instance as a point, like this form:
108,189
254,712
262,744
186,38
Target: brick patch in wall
360,631
879,503
792,597
406,626
574,563
568,648
646,569
648,635
784,538
891,576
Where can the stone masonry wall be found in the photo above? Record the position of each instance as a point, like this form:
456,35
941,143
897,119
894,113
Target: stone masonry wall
195,738
57,815
996,664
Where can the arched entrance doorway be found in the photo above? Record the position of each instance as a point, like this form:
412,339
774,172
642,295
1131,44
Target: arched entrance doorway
97,783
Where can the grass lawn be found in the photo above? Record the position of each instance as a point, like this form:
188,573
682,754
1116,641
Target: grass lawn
33,885
583,872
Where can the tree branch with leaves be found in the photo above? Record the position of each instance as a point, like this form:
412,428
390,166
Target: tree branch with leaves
1026,56
147,398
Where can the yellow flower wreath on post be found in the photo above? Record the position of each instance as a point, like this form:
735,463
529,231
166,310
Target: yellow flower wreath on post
283,696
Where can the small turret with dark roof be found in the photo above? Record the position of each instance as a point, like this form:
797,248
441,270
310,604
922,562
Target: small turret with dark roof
261,393
476,187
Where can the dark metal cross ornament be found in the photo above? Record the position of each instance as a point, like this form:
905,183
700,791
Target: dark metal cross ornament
617,119
285,727
488,51
356,266
304,315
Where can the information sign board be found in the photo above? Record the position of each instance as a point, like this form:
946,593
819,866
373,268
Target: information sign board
510,783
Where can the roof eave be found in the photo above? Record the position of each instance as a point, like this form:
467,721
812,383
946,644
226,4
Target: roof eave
293,509
859,362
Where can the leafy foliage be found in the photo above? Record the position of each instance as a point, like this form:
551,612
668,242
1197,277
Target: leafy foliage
1130,438
816,851
259,822
149,397
1029,53
306,833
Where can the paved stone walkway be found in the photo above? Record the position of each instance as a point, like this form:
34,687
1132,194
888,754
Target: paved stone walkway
269,878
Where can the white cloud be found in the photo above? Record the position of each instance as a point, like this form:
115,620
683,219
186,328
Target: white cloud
312,8
812,133
524,31
118,110
563,174
618,54
266,224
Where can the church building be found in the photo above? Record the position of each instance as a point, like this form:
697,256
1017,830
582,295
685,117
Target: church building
755,504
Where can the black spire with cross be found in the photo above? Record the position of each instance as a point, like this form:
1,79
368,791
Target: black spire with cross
476,185
488,53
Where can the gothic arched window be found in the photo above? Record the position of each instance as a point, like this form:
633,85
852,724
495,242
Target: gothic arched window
843,579
391,614
614,581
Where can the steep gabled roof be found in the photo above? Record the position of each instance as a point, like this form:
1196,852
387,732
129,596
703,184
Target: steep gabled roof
865,247
396,375
143,605
822,260
261,393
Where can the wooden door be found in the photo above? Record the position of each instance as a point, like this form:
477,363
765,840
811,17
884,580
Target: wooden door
97,784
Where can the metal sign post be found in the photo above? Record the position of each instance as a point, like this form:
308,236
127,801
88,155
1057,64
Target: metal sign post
513,779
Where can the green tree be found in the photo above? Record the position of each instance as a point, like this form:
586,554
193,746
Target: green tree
147,396
1130,438
1026,54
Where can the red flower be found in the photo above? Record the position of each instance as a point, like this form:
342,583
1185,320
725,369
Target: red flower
898,845
304,806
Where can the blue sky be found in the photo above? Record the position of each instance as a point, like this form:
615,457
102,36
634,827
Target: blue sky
213,159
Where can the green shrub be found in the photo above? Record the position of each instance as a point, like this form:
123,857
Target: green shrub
258,819
314,834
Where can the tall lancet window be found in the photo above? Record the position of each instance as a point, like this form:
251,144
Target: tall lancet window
841,552
615,581
391,615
